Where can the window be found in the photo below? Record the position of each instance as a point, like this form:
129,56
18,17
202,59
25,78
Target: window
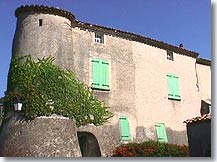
161,132
170,55
99,38
40,22
173,86
100,69
205,108
125,128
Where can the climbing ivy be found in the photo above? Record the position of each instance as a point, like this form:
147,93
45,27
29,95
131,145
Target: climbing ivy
45,89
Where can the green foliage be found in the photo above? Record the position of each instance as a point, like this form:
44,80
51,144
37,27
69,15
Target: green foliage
46,89
151,149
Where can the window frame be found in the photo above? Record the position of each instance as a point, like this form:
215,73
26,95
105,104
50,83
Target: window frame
99,38
170,55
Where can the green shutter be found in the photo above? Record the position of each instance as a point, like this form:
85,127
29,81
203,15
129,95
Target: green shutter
161,132
100,74
105,74
176,88
173,85
125,129
96,73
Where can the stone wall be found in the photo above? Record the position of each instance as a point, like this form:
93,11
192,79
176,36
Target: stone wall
121,97
138,83
53,136
52,38
108,137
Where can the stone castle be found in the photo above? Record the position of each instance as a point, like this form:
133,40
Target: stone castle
149,85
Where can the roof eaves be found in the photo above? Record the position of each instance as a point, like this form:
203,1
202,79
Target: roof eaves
203,61
136,37
198,119
45,9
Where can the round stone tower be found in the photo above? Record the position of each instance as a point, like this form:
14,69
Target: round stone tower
42,31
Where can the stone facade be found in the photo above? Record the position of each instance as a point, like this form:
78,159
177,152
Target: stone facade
138,68
42,137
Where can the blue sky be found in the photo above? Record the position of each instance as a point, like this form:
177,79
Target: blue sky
172,21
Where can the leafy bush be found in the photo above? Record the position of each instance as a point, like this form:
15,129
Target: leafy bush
46,89
151,149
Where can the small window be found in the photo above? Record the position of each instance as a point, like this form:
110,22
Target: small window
40,22
100,71
170,55
99,38
205,108
173,87
161,132
125,128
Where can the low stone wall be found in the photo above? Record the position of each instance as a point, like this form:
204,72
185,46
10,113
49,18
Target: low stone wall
53,136
108,137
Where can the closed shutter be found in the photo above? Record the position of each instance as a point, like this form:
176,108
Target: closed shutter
100,74
96,73
105,74
125,129
161,132
176,88
173,86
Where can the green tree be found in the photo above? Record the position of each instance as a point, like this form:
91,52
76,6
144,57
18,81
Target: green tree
46,89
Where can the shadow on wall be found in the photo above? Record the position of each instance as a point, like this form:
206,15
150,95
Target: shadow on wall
175,137
88,144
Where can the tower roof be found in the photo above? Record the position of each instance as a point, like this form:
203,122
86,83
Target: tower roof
44,9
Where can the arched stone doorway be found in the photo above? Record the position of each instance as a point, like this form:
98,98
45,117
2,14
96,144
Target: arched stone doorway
88,144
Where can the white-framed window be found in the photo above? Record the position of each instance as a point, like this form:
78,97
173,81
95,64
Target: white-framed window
170,55
99,38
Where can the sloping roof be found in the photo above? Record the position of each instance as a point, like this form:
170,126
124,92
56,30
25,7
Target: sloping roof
136,37
106,30
198,119
203,61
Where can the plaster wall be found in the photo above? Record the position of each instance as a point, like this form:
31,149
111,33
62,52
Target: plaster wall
204,78
151,89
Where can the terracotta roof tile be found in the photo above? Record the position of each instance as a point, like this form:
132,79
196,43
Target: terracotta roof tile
198,119
44,9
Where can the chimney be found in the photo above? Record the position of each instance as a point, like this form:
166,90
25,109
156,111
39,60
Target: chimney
181,46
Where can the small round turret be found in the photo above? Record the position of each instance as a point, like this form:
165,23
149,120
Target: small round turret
42,31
